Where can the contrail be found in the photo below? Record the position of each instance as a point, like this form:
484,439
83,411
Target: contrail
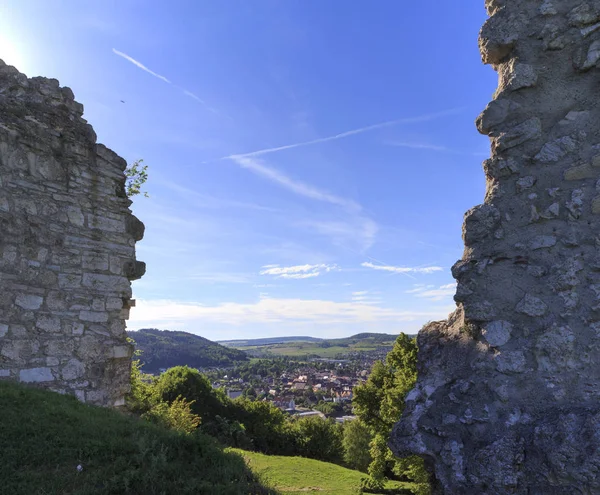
407,120
140,65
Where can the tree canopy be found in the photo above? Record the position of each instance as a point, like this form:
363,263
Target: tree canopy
379,403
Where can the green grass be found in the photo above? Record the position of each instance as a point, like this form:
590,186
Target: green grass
45,436
297,475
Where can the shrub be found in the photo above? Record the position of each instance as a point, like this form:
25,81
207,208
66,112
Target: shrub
318,438
189,383
177,415
229,432
141,397
265,425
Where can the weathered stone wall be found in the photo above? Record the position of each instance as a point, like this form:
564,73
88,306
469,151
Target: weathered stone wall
508,394
67,246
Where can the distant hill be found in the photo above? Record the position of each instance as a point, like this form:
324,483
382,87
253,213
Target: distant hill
266,341
374,337
313,347
165,349
362,337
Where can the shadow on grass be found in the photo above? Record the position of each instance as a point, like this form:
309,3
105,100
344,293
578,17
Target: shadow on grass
45,436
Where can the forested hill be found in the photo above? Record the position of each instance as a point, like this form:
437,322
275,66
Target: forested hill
165,349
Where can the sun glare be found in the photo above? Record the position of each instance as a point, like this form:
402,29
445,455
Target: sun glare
11,54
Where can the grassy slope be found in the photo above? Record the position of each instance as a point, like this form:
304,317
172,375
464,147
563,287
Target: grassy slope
44,436
290,475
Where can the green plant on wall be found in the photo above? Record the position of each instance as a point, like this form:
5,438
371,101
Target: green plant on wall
136,176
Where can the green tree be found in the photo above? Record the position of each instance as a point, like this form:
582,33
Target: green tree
265,425
319,438
136,176
250,393
356,441
141,395
379,404
189,383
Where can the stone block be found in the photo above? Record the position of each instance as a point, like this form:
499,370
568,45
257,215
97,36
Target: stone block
93,316
480,222
532,306
75,215
105,283
29,301
580,172
121,352
554,150
519,76
69,281
108,224
98,305
77,328
95,261
114,303
497,333
529,130
542,242
73,370
48,323
510,362
493,115
18,331
34,375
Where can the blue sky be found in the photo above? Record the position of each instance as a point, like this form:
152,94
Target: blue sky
310,162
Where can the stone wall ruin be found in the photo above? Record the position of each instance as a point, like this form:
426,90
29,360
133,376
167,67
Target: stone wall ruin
508,394
67,246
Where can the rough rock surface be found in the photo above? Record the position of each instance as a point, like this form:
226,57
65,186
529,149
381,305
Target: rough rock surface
67,246
508,394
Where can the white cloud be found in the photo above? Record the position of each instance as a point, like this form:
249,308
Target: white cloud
140,65
296,186
434,294
296,272
160,313
407,120
403,269
365,297
419,288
